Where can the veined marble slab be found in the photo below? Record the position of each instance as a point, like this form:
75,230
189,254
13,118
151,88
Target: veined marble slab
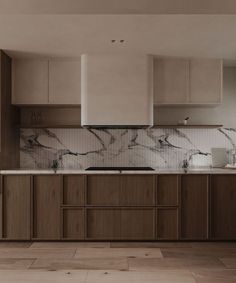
157,148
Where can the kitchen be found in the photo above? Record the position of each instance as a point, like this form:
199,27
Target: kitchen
117,147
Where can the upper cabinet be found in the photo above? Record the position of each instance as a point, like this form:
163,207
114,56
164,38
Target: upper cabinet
64,82
29,81
43,82
171,80
205,81
187,81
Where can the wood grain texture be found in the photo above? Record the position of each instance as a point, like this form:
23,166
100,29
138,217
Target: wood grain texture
137,223
167,190
103,189
16,207
167,223
74,189
137,190
9,117
103,223
194,207
223,207
73,223
46,206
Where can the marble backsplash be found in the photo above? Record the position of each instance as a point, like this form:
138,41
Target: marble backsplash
158,148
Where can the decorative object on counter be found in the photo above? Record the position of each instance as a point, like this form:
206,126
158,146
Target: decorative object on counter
158,148
184,122
219,157
185,165
55,165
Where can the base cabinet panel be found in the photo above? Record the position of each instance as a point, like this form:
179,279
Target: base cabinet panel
46,207
73,224
194,207
74,189
167,190
223,207
103,224
103,189
16,213
167,224
137,224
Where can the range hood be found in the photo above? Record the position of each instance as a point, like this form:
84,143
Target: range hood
116,90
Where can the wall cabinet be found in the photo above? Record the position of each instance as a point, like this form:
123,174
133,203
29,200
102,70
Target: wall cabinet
29,81
194,207
16,207
187,81
64,82
43,82
223,207
46,207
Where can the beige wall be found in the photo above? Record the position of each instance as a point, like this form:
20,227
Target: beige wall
224,114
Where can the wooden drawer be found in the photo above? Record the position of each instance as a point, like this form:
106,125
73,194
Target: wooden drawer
103,223
167,190
73,223
74,189
137,223
103,189
167,223
137,190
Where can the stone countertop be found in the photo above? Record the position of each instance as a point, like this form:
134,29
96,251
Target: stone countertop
157,171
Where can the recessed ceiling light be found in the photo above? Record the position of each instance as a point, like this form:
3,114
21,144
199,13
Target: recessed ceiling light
117,40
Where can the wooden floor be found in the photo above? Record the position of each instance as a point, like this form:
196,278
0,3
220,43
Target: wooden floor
117,262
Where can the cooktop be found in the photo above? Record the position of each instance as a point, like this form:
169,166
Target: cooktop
119,168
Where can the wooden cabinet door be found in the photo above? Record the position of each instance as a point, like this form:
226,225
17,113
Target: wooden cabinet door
46,206
223,207
103,189
64,81
103,223
206,81
167,190
137,223
74,189
171,80
16,212
29,81
194,207
167,223
137,190
73,223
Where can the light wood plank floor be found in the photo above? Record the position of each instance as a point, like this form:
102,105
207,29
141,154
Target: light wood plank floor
117,262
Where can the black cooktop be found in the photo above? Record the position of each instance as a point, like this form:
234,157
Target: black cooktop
120,168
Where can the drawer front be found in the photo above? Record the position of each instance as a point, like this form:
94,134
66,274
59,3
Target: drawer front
167,190
74,190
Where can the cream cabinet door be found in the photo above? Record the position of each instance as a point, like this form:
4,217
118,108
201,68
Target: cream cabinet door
205,81
64,81
29,81
171,81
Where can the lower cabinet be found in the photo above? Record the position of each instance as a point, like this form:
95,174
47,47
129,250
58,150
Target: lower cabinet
223,207
46,207
194,207
120,223
167,223
118,207
73,223
15,207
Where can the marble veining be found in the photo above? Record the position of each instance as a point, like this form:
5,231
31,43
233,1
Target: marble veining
158,148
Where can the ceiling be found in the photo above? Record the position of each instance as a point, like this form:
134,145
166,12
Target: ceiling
117,6
71,35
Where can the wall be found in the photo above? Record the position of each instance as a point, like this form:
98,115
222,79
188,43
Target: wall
159,148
